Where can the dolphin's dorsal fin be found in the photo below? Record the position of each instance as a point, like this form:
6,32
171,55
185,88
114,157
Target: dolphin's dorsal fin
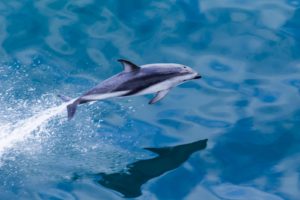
128,66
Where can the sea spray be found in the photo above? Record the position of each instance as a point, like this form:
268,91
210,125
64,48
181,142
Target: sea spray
11,135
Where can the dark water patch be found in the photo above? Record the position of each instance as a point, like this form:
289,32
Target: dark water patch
294,83
220,67
267,96
270,110
254,82
220,83
241,103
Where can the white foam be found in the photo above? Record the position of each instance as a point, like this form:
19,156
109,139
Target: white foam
13,134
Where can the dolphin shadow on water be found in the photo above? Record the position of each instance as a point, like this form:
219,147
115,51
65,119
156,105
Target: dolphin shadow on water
129,181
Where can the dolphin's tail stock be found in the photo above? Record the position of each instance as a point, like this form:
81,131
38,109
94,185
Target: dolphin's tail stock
72,109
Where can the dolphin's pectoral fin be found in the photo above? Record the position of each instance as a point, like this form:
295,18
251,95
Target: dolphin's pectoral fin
159,95
128,66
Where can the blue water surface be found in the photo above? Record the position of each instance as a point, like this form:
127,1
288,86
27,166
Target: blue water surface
246,105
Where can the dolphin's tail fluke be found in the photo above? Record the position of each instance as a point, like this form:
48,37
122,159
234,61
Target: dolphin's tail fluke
72,109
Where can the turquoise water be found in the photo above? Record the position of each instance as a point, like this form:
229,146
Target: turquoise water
246,105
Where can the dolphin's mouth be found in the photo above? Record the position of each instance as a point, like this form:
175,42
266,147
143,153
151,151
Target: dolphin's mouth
197,77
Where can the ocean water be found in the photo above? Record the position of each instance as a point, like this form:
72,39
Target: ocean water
234,134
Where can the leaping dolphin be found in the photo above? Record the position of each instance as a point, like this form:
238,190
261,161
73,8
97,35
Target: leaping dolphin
156,78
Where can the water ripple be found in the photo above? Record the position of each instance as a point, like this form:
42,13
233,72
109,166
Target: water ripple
246,103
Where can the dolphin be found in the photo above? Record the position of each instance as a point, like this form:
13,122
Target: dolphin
134,80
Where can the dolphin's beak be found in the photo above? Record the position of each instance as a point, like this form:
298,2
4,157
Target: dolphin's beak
197,77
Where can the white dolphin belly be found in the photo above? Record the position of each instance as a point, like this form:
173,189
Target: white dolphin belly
156,88
164,85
